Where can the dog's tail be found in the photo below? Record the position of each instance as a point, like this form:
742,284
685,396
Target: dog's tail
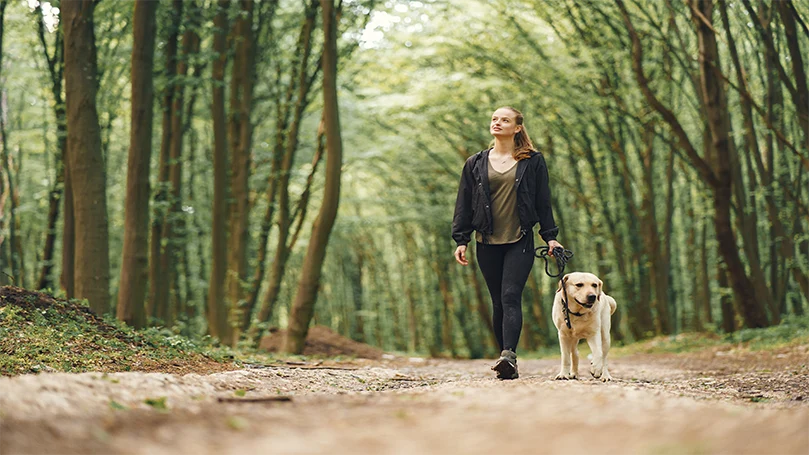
612,303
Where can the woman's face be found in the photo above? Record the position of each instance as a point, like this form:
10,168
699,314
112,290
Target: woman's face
504,123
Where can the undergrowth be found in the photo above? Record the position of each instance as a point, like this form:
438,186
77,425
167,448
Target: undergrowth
40,333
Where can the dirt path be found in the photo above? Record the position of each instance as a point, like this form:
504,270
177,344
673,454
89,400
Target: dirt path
712,402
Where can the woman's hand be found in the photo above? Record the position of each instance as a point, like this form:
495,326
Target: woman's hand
552,245
460,255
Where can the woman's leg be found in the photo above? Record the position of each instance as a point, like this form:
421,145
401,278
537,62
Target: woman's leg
490,260
517,263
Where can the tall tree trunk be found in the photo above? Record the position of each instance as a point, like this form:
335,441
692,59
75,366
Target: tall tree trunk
56,71
283,249
159,275
719,123
277,272
658,272
304,306
240,131
135,258
85,162
217,309
174,233
5,165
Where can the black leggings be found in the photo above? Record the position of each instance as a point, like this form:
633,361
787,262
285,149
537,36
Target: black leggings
506,269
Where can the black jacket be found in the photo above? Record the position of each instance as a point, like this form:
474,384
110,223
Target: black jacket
473,207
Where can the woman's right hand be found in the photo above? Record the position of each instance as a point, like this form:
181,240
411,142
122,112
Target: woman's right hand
460,255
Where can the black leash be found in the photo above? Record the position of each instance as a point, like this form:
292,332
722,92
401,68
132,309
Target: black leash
562,257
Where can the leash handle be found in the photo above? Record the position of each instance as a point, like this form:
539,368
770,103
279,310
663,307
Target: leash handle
562,257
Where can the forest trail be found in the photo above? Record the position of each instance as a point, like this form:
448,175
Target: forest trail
708,402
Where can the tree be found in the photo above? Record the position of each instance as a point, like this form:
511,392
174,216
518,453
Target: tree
309,282
85,162
135,259
217,310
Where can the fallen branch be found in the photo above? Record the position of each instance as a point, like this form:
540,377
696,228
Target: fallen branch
253,400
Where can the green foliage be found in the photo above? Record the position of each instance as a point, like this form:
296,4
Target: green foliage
157,403
793,330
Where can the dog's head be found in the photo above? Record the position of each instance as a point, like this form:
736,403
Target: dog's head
583,288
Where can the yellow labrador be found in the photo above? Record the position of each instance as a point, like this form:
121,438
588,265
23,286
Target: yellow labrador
590,310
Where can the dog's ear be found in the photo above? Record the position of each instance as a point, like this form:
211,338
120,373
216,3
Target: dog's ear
600,289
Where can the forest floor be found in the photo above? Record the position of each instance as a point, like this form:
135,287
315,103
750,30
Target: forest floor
713,401
76,383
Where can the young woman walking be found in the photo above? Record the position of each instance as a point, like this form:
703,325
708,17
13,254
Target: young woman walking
503,193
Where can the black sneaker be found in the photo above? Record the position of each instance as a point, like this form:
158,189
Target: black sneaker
506,365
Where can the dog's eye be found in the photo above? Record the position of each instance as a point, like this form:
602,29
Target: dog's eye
595,285
578,285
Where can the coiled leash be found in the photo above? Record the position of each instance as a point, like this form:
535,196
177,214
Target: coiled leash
562,257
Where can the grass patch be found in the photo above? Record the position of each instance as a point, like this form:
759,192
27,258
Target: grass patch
39,333
792,331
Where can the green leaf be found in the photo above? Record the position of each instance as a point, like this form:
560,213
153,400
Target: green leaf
157,403
117,406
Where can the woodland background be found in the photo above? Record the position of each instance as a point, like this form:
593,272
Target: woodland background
179,163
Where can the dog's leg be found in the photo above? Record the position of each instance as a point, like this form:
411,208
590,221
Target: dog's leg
564,369
605,347
574,354
597,367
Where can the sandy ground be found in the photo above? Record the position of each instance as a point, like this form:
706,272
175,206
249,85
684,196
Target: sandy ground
710,402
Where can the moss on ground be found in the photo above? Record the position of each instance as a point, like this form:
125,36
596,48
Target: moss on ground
41,333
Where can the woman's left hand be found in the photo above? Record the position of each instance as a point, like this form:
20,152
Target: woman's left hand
553,244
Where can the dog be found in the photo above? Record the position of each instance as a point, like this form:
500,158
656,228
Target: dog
589,314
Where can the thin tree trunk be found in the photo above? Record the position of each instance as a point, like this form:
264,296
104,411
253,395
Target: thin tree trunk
217,309
283,110
55,69
159,273
85,162
135,259
174,233
240,131
274,286
4,256
303,308
719,123
5,160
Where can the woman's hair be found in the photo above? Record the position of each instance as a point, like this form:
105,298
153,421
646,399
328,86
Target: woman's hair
522,141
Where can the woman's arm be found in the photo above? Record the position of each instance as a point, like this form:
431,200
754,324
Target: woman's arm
547,226
462,220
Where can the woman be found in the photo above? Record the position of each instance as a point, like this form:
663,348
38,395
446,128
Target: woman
503,193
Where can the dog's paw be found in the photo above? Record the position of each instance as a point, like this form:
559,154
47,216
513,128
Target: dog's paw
606,376
596,371
573,376
561,377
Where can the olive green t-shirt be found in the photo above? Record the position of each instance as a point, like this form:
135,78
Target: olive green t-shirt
504,207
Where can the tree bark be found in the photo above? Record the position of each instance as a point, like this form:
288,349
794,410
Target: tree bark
85,161
303,308
719,124
240,131
159,273
56,71
217,309
135,259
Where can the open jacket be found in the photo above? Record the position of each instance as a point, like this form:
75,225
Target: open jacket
473,207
